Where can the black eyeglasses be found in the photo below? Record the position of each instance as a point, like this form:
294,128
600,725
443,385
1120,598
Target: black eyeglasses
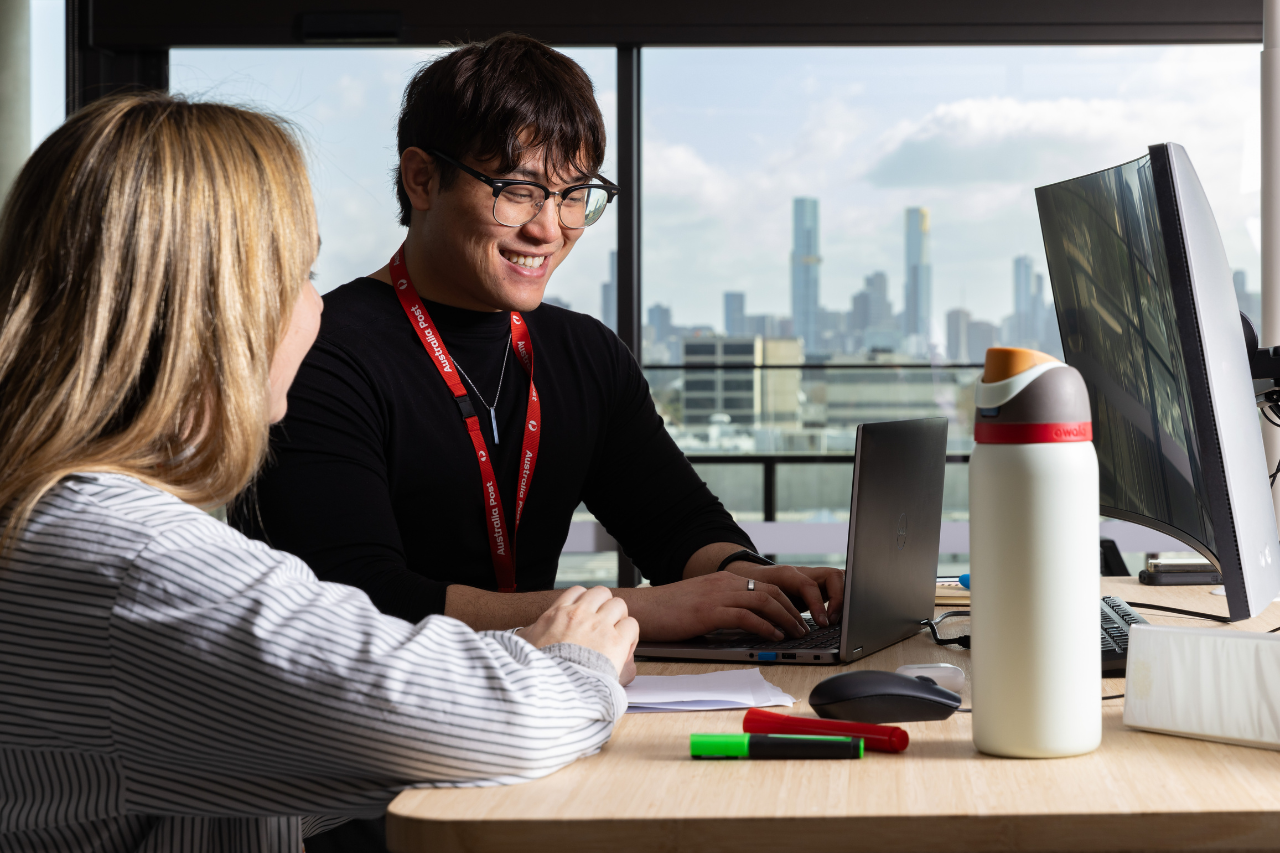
518,202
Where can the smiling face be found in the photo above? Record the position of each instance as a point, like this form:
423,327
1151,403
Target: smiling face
458,254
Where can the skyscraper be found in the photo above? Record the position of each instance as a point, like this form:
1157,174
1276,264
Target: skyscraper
918,310
958,334
609,295
1027,303
982,335
879,311
804,271
660,320
735,314
871,308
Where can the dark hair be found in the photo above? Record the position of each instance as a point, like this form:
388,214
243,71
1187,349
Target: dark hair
479,100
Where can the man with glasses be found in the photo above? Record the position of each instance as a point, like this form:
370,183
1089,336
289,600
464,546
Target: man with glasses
446,425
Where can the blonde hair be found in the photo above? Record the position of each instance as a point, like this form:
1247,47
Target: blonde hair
151,252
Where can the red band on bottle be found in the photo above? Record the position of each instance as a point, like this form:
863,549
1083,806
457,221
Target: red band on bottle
1031,433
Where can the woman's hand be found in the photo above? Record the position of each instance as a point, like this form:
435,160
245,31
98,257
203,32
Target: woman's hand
592,618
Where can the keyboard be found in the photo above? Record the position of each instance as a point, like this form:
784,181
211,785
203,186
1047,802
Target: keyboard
1117,617
817,638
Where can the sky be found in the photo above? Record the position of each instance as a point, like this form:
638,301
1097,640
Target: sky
966,132
732,135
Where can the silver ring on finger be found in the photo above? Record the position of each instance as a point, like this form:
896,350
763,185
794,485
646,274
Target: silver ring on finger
751,585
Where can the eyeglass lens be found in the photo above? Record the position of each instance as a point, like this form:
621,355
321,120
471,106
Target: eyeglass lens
519,204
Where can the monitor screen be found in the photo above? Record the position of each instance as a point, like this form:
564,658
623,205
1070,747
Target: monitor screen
1119,324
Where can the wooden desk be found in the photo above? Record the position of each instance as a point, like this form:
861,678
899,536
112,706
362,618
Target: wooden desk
1138,791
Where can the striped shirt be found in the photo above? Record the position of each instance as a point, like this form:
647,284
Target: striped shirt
167,684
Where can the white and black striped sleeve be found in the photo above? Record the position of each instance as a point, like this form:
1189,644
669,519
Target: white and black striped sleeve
243,685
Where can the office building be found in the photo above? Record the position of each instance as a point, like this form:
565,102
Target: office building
762,325
716,390
555,300
735,314
723,378
609,295
871,323
660,320
780,389
958,322
918,292
1034,322
871,306
805,261
981,337
1025,309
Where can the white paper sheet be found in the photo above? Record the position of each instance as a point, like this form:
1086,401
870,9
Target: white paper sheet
712,691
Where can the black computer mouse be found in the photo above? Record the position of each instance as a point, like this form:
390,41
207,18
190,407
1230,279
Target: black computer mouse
871,696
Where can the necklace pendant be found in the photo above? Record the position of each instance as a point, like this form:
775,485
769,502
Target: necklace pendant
493,419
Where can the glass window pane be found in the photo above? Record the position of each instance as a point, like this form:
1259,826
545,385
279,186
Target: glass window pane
814,492
877,203
861,223
740,487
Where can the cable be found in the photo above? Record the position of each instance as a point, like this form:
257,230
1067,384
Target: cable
962,641
1117,696
1179,611
1275,408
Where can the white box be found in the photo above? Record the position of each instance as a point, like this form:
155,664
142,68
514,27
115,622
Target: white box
1213,684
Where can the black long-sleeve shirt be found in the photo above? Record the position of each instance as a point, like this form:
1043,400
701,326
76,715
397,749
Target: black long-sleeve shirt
374,483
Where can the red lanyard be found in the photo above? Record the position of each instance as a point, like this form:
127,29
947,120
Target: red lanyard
501,546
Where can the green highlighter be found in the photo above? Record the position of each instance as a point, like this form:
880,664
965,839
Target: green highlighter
773,746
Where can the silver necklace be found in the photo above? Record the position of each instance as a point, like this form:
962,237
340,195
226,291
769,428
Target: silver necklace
493,417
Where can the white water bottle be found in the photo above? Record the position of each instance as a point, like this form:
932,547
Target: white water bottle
1033,552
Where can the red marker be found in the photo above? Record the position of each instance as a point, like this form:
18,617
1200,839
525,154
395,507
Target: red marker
878,738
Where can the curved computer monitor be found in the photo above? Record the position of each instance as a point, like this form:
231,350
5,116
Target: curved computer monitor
1148,315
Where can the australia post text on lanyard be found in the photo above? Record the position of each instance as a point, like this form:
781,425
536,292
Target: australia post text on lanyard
502,539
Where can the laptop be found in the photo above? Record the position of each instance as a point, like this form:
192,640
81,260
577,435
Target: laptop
892,563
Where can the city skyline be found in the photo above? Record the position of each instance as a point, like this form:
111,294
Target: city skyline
871,328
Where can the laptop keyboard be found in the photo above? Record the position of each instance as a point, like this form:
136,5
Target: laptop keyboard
817,638
1117,618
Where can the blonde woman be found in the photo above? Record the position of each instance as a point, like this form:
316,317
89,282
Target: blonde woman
166,683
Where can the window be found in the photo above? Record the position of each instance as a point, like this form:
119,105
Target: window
830,235
866,219
878,203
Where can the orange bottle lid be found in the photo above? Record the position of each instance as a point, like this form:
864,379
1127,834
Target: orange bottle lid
1004,362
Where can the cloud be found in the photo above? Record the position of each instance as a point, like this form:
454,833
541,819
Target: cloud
1007,140
995,140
